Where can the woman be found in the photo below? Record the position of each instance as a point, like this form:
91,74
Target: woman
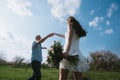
71,47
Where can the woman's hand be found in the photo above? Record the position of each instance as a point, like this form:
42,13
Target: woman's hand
65,55
60,35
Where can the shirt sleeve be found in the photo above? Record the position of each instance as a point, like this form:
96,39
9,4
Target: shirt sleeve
34,44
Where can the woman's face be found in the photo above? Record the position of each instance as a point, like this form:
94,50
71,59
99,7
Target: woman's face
68,20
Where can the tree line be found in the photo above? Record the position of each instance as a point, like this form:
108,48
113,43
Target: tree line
98,60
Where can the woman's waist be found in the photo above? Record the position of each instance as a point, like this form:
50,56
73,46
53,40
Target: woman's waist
75,51
74,47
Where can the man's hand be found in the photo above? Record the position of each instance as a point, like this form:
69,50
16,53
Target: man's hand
44,48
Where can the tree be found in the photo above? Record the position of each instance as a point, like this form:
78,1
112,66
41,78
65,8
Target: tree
54,54
104,60
2,59
18,61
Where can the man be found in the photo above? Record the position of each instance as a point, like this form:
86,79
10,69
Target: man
36,58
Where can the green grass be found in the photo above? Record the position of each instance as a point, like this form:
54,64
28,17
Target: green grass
8,73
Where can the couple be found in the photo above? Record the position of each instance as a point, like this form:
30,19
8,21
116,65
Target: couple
71,47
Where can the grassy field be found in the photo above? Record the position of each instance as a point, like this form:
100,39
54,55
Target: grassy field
8,73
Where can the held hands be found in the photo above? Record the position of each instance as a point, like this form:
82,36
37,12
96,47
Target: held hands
51,34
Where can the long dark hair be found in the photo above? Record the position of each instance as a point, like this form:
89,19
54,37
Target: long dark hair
77,27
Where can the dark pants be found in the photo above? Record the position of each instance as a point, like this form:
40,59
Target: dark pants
36,66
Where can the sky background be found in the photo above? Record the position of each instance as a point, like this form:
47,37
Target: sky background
22,20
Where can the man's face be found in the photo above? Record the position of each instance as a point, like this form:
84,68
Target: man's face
38,37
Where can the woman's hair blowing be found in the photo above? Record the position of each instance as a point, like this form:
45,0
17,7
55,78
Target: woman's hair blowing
77,27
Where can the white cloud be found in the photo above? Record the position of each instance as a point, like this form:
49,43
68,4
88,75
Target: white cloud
14,45
111,9
109,31
60,9
95,21
107,23
92,12
20,7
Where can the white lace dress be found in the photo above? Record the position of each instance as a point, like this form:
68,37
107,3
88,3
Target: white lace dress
82,64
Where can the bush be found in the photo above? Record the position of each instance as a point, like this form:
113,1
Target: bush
54,54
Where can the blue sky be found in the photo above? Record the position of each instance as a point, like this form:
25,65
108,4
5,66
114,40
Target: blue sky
21,20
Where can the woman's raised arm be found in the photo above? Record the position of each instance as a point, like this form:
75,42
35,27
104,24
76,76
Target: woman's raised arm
60,35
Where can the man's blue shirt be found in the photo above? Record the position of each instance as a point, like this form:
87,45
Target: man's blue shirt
36,52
